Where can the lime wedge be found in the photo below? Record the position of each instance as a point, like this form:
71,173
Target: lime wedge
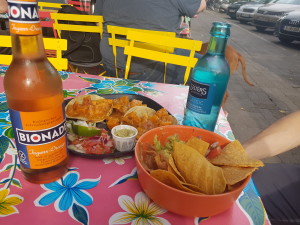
85,131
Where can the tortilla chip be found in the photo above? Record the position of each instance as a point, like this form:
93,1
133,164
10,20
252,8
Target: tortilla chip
198,144
141,111
92,108
197,170
80,99
170,179
192,187
234,175
173,169
233,154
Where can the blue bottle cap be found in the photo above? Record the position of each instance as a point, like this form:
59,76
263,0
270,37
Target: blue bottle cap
220,29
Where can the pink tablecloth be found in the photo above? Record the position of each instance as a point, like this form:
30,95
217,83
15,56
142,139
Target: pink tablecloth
104,191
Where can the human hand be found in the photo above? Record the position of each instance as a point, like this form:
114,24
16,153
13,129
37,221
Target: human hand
3,6
202,6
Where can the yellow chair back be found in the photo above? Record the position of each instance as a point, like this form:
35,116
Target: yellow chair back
77,17
118,39
188,61
57,45
49,6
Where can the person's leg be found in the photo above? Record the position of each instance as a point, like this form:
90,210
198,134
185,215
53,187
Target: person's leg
279,188
110,71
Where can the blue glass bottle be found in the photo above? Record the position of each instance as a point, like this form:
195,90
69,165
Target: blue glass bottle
209,81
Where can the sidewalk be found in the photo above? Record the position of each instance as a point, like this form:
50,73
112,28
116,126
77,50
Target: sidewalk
251,109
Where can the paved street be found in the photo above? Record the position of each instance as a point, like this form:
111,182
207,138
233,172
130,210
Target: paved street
273,68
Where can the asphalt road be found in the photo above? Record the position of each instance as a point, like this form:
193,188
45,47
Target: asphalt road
274,68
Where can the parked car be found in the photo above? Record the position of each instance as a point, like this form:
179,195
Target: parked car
268,15
288,27
233,8
246,12
224,6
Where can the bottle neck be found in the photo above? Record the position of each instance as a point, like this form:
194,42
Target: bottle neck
217,45
28,46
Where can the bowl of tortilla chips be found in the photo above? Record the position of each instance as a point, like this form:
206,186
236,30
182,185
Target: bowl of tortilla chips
191,171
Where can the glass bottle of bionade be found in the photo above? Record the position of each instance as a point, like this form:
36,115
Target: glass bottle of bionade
34,95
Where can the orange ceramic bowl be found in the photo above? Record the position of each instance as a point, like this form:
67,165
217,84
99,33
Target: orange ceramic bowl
177,201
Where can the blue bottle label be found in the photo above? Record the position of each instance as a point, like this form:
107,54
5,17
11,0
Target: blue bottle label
200,98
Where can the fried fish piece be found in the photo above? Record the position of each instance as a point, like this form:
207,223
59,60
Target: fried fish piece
121,104
91,108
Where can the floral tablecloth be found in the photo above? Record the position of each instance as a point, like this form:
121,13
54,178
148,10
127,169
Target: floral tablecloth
104,191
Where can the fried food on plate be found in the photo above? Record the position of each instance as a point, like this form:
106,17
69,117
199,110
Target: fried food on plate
123,104
144,118
141,111
91,108
94,108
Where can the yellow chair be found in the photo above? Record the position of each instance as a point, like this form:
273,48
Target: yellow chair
79,18
59,27
187,61
118,39
49,6
52,44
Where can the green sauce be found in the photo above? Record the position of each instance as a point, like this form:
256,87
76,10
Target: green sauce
124,133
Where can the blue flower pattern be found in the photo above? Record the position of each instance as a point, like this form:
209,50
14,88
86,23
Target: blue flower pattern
114,87
68,192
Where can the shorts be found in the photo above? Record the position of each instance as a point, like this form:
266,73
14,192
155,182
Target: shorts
279,189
